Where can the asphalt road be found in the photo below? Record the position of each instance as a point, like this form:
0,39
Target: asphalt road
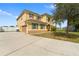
21,44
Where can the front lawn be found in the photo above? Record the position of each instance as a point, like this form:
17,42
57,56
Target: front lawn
72,36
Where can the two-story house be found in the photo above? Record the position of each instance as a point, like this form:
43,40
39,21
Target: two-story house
31,22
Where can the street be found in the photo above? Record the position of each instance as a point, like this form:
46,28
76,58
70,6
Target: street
21,44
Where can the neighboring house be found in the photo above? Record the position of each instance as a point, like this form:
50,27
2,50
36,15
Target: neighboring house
9,28
1,29
30,22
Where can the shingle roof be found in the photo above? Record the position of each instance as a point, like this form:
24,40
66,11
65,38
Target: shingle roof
36,21
31,12
46,15
28,11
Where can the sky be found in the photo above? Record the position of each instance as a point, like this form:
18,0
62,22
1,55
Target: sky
10,11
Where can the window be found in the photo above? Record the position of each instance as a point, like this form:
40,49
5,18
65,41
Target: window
34,26
31,16
42,26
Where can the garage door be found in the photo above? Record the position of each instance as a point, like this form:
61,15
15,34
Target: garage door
24,29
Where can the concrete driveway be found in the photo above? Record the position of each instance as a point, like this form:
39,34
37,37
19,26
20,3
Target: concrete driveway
19,44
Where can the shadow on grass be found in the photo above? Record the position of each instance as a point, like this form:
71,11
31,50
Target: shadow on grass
72,37
62,34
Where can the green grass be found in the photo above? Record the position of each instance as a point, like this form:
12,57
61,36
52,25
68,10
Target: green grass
76,33
61,35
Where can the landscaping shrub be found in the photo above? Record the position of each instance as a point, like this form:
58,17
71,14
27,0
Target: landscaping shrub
53,28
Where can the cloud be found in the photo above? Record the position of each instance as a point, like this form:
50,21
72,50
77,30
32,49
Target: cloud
16,16
2,12
51,6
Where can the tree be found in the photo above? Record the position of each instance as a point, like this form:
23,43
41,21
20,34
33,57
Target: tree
59,22
66,11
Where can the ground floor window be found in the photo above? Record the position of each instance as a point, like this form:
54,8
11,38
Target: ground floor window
42,26
34,26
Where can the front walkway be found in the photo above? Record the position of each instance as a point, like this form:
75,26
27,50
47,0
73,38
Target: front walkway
17,43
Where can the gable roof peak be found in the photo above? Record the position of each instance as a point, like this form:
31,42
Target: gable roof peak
46,15
29,11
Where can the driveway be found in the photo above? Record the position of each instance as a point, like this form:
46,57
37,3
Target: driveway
19,44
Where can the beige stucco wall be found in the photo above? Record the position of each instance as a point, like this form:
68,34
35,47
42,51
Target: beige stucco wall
27,16
24,17
35,17
21,21
29,26
44,18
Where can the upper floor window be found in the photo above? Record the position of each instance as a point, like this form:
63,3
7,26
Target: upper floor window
31,16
